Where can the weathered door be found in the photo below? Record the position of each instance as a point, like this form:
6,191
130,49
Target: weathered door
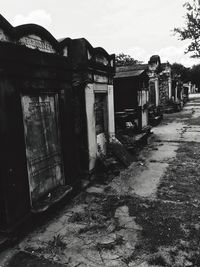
100,107
42,138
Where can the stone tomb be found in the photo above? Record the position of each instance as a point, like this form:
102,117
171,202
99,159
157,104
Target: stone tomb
93,71
131,92
37,147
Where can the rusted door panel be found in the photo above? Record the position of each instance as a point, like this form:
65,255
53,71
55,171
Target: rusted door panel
43,150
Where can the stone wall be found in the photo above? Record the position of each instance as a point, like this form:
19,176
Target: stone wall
164,90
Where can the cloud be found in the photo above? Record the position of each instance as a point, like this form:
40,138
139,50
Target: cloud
39,16
139,54
176,54
171,54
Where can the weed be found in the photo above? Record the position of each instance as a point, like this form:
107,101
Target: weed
56,245
53,247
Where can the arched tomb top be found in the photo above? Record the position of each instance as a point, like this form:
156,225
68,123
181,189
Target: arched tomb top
97,55
36,37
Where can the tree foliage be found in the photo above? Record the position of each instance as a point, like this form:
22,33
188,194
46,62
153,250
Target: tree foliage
125,60
194,76
191,30
187,74
181,71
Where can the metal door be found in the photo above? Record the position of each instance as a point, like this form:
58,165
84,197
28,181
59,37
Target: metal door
42,138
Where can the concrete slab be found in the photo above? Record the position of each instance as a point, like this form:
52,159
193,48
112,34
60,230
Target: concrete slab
196,114
141,180
194,96
191,136
185,112
163,152
193,129
122,213
168,132
146,183
192,106
96,189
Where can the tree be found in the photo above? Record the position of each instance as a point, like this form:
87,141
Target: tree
181,71
187,74
125,60
194,76
191,30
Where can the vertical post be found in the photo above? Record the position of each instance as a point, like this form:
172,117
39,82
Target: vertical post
190,88
176,93
91,125
147,94
157,91
170,87
142,112
111,118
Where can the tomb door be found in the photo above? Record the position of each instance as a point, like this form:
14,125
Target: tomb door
101,120
42,139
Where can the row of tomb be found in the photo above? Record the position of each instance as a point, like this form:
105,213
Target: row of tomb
61,103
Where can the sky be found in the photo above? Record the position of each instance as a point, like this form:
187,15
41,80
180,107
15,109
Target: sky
139,28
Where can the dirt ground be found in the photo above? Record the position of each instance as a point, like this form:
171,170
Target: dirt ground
149,215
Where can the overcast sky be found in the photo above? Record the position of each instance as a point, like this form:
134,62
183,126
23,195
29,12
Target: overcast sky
139,28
